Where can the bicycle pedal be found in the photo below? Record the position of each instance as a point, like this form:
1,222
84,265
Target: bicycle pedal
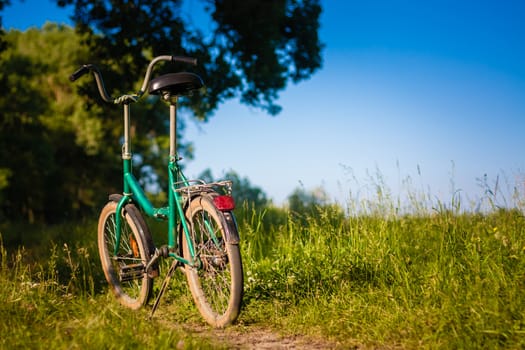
131,272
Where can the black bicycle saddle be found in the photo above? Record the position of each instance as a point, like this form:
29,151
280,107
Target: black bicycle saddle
175,84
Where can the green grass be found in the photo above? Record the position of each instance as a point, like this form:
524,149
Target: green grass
445,280
437,279
59,301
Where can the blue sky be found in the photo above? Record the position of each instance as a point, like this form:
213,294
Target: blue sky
430,90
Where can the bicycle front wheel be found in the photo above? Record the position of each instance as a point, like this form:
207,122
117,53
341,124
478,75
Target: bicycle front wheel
125,270
216,280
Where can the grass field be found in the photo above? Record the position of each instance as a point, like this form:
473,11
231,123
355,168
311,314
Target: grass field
437,279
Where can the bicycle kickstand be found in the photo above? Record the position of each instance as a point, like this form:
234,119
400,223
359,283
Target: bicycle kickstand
165,283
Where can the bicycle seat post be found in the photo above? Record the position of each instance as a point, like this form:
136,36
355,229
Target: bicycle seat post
126,147
173,127
169,87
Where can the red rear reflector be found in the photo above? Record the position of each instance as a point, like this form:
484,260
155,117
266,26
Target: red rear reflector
224,203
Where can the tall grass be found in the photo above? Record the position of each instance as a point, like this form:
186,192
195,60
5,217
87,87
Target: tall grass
54,303
436,277
448,278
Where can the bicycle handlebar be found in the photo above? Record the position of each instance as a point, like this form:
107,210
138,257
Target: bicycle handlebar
127,98
79,72
183,59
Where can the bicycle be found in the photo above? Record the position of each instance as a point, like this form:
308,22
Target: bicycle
202,234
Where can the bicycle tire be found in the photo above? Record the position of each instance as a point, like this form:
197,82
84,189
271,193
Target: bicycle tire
125,271
217,284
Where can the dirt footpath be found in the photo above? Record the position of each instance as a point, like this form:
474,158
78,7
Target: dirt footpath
258,338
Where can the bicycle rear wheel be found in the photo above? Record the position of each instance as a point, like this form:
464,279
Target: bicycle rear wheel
216,283
125,270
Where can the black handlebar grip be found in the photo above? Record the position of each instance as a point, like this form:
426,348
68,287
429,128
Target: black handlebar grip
79,72
182,59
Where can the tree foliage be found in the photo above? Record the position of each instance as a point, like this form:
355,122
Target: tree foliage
3,3
307,202
46,136
253,50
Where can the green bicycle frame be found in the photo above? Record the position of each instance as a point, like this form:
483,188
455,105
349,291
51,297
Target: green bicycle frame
134,192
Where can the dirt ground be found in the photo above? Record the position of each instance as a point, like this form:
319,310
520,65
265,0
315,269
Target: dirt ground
258,338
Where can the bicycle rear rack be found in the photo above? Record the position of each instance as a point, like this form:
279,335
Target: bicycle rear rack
200,186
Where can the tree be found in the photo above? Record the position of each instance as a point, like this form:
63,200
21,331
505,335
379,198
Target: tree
314,207
306,202
59,149
3,3
243,190
255,48
51,164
